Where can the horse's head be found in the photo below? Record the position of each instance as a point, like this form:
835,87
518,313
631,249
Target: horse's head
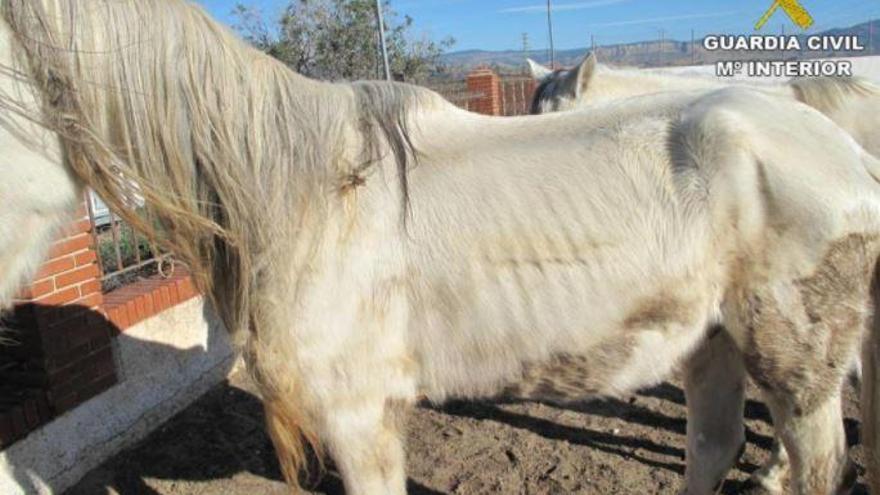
561,89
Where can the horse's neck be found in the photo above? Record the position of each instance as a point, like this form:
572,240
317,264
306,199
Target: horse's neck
612,84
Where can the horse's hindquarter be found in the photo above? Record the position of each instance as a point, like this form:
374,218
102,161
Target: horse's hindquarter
860,117
568,246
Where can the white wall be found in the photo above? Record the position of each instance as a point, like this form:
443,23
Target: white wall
164,363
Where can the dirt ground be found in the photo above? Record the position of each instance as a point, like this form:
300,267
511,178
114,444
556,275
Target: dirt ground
218,446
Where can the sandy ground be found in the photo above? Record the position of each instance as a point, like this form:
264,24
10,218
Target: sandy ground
218,446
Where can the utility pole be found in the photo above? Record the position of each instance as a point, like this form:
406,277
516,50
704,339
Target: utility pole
382,39
593,43
871,37
693,48
550,30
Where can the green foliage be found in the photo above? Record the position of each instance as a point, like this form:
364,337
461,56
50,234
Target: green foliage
128,243
339,40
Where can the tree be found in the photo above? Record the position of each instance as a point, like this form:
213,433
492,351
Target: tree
339,39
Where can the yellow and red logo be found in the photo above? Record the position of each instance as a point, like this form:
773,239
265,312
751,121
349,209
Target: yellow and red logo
795,11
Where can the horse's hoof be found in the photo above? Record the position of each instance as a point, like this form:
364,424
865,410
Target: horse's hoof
753,486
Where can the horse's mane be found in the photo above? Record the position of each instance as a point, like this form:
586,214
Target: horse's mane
385,110
233,152
827,94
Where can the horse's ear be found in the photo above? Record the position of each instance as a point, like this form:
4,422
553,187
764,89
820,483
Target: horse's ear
585,72
539,72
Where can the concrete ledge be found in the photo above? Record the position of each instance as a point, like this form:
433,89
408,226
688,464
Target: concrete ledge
164,364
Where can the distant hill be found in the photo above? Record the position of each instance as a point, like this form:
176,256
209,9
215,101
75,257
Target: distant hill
643,53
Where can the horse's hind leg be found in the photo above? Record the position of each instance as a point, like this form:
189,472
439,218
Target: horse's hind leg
816,444
799,338
806,407
714,387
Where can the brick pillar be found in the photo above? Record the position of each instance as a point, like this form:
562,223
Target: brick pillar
487,84
65,355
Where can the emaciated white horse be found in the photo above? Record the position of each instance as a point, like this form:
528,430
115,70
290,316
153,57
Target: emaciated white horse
853,103
368,243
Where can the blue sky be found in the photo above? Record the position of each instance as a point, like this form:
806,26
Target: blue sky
499,24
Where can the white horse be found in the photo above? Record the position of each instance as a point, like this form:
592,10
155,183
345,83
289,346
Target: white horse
369,243
854,104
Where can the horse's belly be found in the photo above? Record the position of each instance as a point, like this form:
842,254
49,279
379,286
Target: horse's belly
550,333
615,367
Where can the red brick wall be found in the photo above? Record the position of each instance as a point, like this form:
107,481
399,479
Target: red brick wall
65,355
71,274
64,328
487,85
129,305
489,94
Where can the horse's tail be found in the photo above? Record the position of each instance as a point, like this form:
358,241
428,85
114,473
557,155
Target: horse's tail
291,440
871,387
288,423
